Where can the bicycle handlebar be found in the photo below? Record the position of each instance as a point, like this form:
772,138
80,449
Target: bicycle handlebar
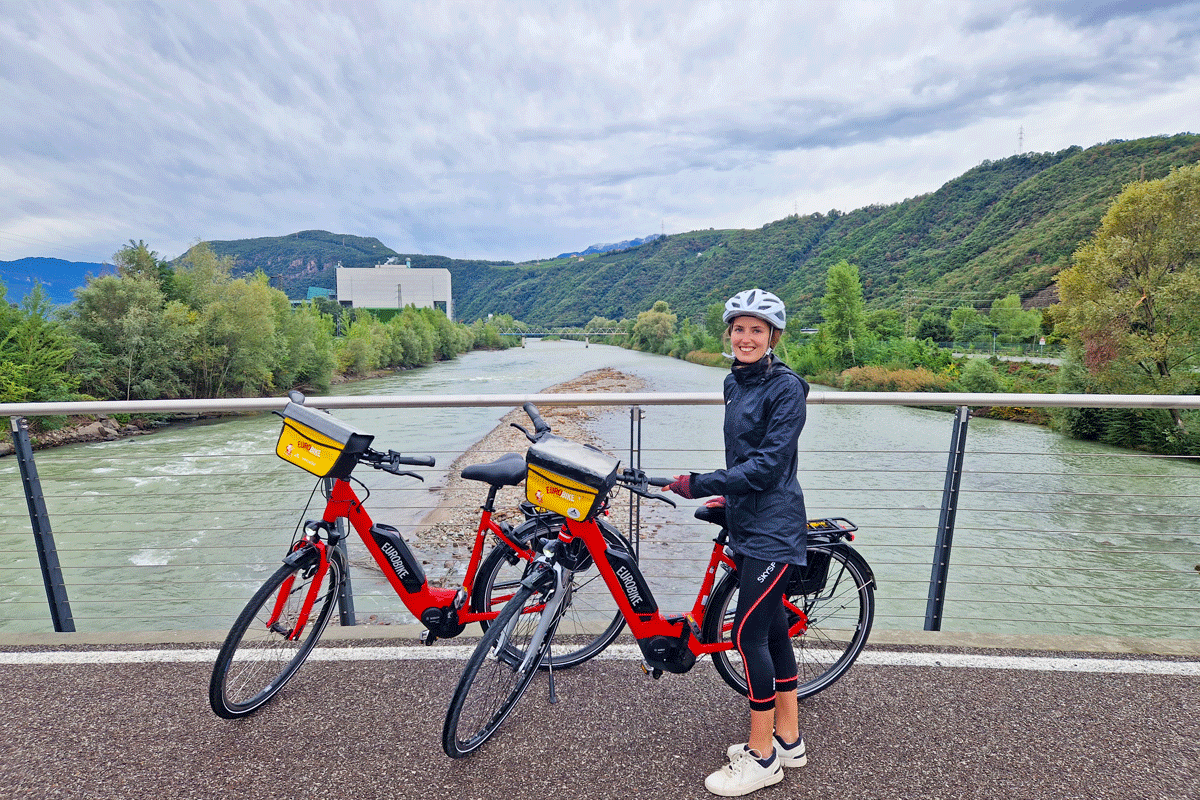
391,461
414,461
539,424
540,428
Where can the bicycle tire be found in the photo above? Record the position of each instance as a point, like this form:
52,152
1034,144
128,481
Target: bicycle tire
256,661
492,681
592,621
839,622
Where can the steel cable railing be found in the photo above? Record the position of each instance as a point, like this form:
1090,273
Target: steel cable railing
1102,542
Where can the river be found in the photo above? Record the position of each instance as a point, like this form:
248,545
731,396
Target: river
1053,535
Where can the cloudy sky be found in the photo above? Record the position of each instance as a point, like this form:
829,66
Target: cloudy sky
519,130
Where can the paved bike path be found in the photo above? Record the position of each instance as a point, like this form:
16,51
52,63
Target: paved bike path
371,728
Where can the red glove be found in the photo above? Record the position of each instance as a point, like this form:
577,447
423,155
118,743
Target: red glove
682,486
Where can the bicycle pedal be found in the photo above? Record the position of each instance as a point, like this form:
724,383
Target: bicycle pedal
653,672
460,599
428,637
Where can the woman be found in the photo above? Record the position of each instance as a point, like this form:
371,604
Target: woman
765,515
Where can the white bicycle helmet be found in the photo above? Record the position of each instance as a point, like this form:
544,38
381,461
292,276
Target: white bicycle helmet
757,303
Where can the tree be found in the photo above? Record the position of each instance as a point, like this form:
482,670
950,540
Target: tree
845,327
654,328
968,325
136,259
34,349
1129,300
885,323
129,350
1012,323
933,325
714,320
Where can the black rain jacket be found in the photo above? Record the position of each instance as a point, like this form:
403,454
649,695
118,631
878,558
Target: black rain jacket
764,414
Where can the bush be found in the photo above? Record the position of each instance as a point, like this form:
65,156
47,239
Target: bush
880,379
979,376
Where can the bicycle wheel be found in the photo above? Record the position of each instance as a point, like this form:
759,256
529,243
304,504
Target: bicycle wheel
257,659
492,681
589,624
839,621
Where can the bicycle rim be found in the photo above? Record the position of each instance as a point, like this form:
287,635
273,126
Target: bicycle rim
258,659
492,681
839,622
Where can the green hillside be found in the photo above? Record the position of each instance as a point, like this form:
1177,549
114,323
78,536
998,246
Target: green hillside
300,260
310,258
1004,226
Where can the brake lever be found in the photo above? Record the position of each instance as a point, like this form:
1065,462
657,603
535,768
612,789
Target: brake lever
654,496
394,470
522,429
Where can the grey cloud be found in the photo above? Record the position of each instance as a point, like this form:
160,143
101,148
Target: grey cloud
1090,14
506,131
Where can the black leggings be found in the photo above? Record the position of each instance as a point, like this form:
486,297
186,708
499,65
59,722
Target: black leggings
760,630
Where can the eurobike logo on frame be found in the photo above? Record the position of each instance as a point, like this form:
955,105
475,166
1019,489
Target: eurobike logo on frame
395,559
631,587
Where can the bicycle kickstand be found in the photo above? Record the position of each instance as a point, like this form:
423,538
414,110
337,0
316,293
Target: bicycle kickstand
550,667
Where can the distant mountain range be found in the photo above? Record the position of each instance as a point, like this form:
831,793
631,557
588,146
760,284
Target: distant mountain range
607,248
58,278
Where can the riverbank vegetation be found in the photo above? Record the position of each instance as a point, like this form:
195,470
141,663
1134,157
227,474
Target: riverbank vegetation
856,350
191,330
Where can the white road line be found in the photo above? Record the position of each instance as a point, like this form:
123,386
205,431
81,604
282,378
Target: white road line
619,653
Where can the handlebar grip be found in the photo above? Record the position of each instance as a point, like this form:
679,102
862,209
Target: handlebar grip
415,461
660,481
539,424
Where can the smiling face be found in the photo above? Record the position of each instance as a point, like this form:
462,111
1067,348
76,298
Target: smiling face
750,337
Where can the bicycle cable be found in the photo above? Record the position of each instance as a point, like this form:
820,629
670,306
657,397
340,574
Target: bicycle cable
296,534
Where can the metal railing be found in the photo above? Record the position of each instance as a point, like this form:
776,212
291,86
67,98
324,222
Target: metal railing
964,534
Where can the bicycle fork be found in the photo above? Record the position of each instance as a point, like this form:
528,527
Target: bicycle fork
544,570
310,597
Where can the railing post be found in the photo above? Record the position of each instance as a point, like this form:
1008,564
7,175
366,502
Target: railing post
43,537
945,534
635,462
346,593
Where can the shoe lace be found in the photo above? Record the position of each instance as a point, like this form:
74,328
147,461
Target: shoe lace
740,762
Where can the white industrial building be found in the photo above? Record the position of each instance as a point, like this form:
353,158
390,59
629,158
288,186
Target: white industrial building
393,285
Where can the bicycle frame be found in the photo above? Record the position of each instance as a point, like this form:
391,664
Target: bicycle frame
418,596
636,600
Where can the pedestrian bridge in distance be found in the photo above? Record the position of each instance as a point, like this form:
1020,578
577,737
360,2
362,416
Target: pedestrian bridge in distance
541,331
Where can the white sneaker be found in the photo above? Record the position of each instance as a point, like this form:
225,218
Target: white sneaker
743,775
790,756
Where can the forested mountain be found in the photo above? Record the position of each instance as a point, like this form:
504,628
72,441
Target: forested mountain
1003,226
300,260
310,258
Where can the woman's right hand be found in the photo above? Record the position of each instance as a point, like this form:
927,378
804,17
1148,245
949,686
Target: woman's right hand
682,486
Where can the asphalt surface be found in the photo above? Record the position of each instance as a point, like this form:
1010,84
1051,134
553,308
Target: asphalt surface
372,729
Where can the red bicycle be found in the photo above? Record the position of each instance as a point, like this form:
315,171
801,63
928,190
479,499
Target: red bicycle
284,620
830,602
